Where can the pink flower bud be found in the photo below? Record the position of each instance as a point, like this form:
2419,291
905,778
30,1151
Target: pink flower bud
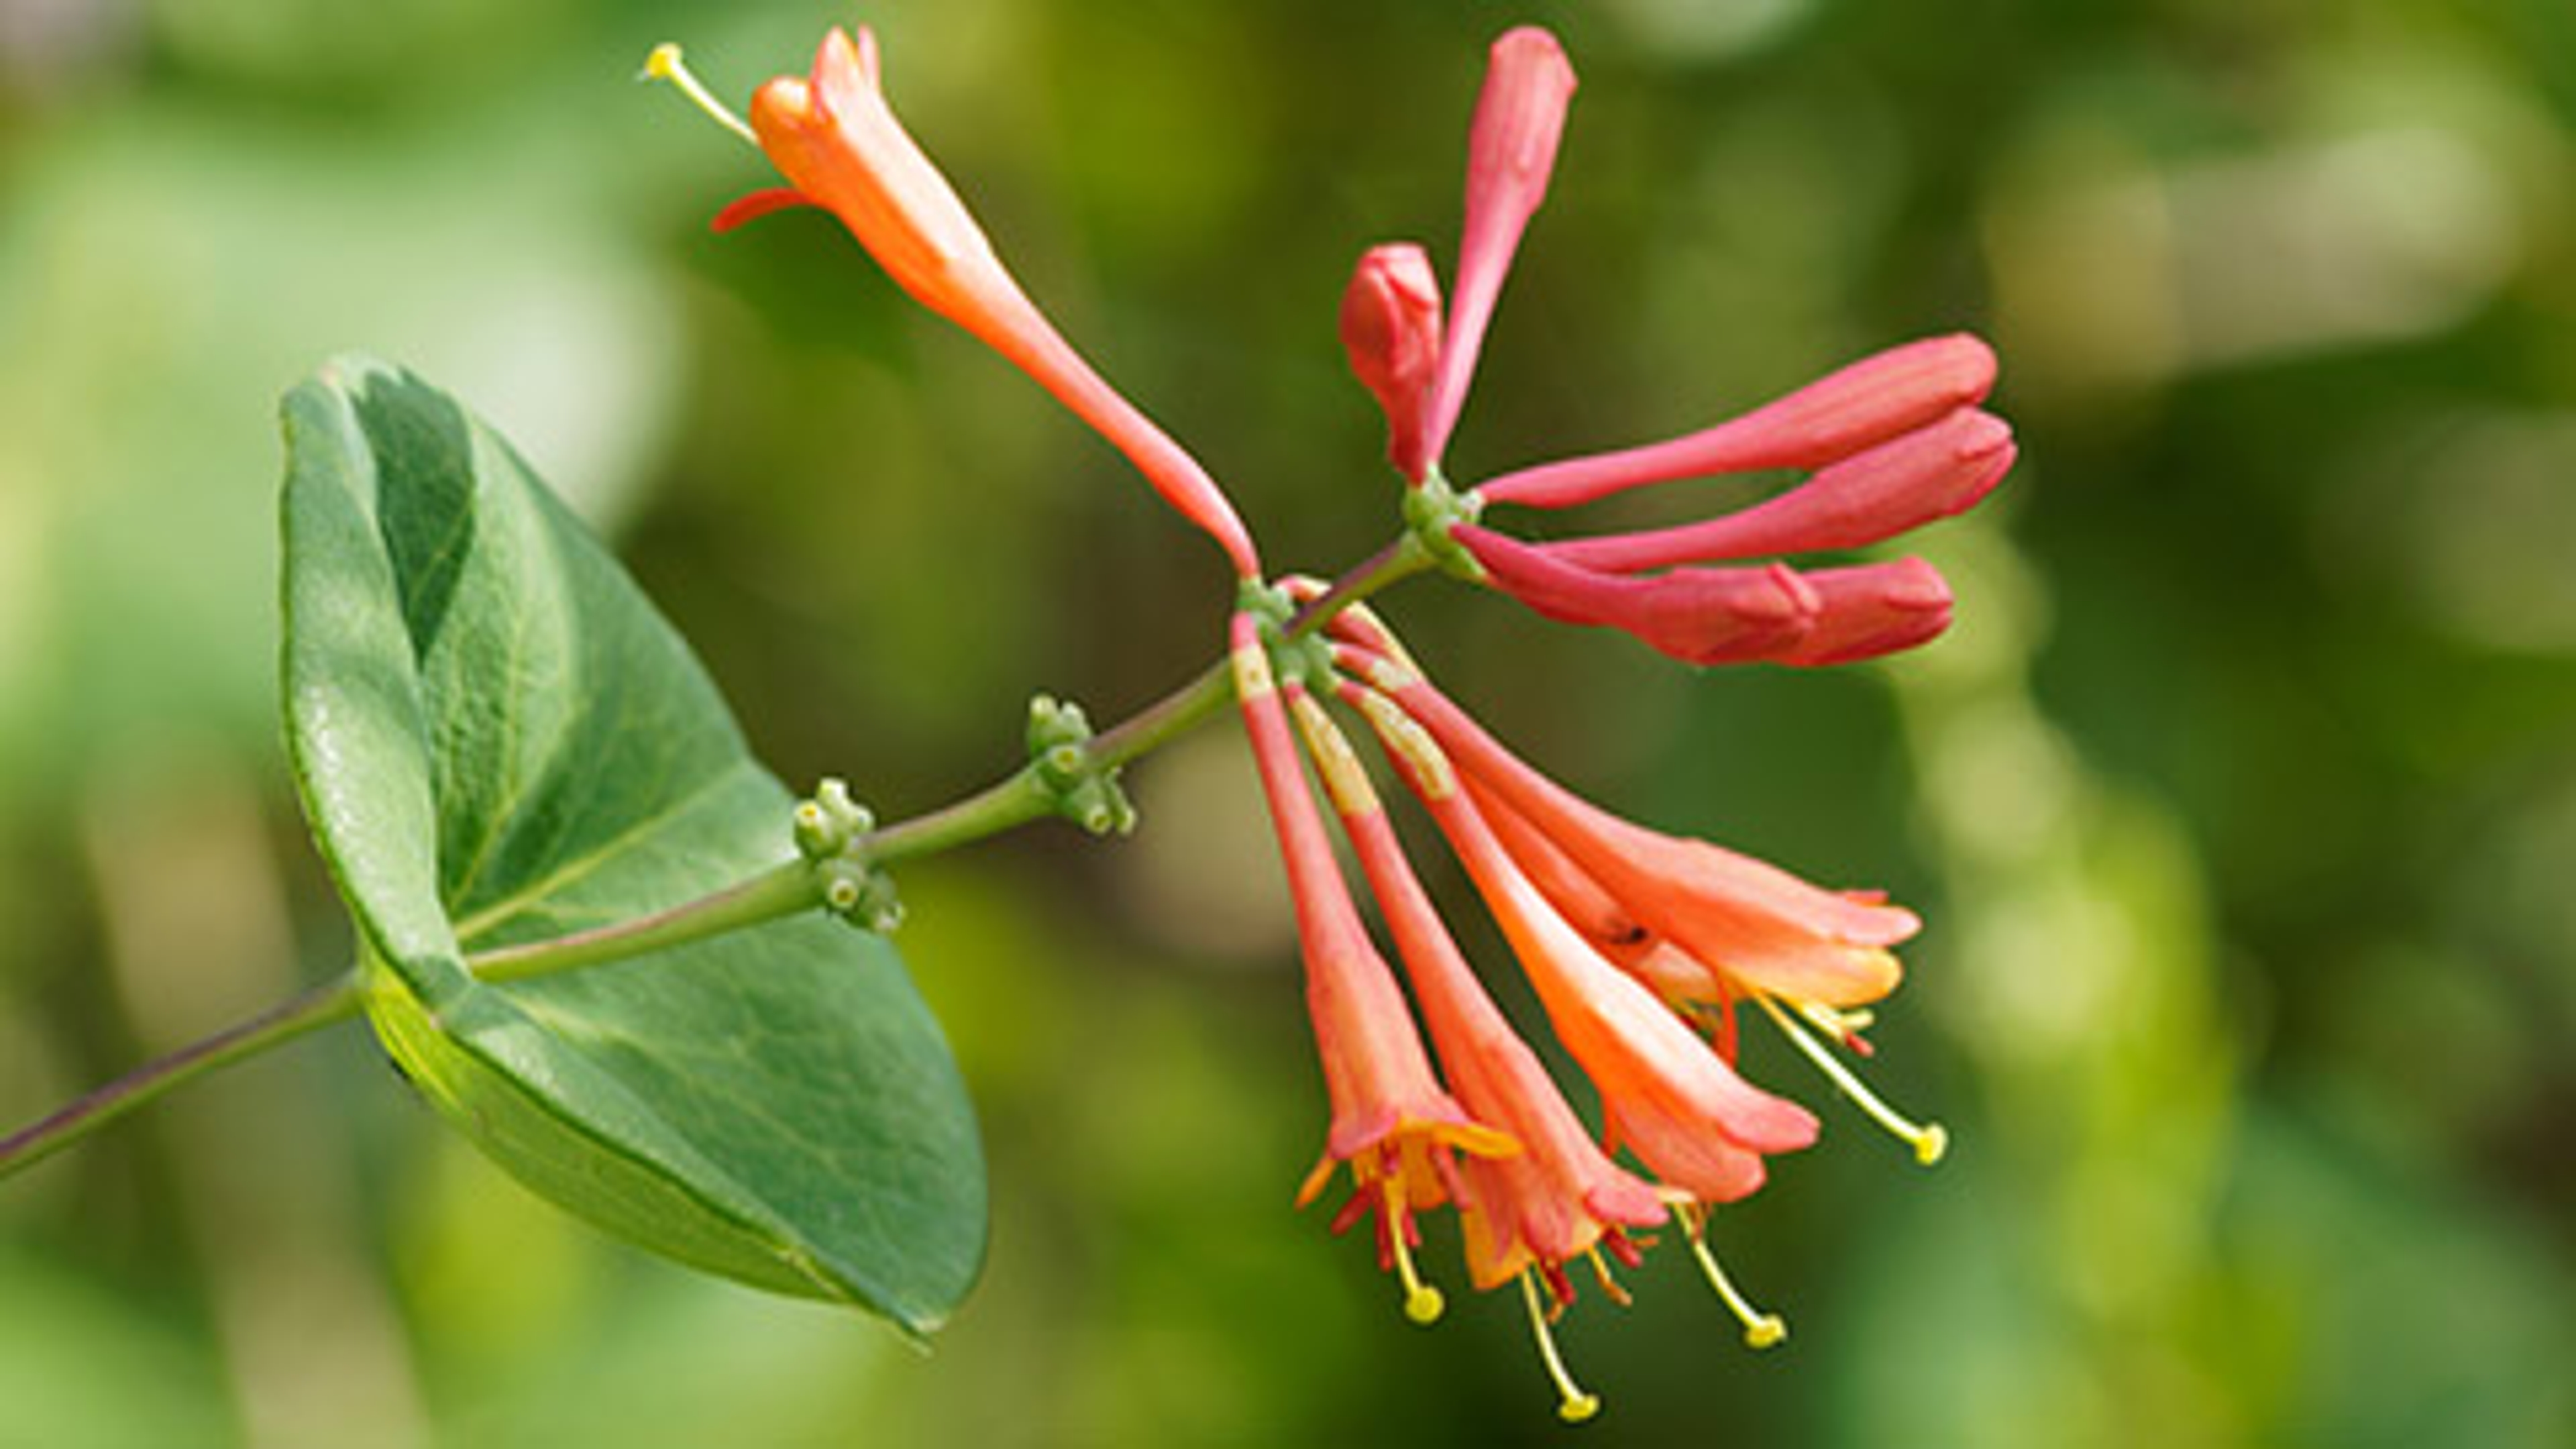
1699,616
1511,149
1872,610
1391,330
1869,402
1925,475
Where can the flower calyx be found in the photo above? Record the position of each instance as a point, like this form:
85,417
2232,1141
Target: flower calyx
1084,790
1304,660
1432,510
832,833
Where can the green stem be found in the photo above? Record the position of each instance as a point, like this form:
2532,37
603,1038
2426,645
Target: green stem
333,1001
1023,797
782,890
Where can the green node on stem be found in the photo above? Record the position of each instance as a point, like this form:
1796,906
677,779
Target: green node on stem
1082,787
1431,509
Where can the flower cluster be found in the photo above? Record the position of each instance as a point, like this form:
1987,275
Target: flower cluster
1639,946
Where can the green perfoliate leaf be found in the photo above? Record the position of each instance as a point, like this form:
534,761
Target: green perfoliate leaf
498,740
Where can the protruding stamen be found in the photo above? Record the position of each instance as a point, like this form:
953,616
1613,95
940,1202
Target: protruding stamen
1422,1302
1843,1026
1761,1330
665,64
1929,1140
1573,1405
1609,1286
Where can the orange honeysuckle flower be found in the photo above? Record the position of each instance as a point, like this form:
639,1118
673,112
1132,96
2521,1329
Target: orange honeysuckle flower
1665,1095
838,143
1718,927
1393,1125
1762,926
1522,1215
1558,1198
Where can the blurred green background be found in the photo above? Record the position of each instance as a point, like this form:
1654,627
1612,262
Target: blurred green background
2242,800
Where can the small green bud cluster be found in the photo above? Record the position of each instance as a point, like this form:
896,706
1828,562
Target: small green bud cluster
831,833
1085,792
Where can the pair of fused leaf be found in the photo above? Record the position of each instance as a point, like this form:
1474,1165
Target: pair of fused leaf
1891,442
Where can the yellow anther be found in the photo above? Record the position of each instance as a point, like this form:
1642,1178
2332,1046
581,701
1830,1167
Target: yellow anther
665,64
1610,1288
1573,1405
1835,1022
1761,1330
1929,1140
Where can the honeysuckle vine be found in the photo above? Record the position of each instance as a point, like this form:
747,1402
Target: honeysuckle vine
1641,948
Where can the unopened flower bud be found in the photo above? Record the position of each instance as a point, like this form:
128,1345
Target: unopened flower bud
1391,330
1923,476
1871,610
1511,149
1867,403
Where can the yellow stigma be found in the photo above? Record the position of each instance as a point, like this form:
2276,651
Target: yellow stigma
1929,1140
1422,1302
665,64
1761,1330
1573,1405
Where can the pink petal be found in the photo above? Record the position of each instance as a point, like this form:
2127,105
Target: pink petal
1699,616
1929,474
1391,332
1880,397
1511,149
1872,610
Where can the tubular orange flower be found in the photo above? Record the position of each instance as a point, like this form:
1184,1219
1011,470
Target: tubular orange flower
1392,1124
1770,930
1560,1197
1664,1094
840,147
1701,928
